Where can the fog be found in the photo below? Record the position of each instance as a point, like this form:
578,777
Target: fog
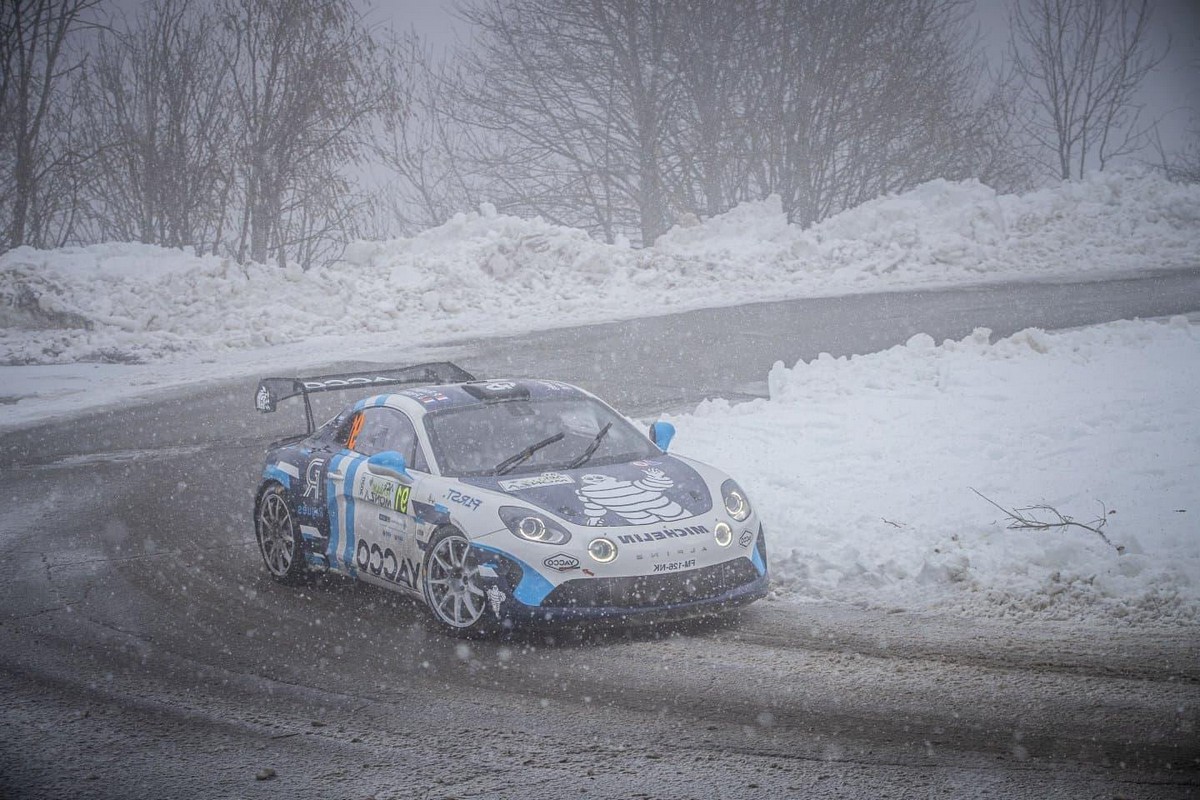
279,132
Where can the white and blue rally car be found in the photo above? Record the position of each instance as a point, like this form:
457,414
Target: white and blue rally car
502,501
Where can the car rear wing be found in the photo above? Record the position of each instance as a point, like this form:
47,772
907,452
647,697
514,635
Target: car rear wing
271,391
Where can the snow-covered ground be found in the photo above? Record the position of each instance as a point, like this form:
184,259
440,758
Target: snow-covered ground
863,468
484,274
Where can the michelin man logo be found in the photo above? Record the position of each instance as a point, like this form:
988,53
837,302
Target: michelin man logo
262,400
639,502
495,599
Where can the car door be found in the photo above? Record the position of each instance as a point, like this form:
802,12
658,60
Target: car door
374,529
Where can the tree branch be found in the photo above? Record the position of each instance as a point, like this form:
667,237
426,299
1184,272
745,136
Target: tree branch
1034,518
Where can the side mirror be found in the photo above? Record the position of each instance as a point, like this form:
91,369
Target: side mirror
661,433
390,463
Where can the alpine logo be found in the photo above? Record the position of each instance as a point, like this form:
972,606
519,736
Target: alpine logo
536,482
667,533
562,562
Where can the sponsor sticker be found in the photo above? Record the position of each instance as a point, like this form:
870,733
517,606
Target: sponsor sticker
383,492
382,562
339,383
426,397
312,478
536,481
638,502
455,496
666,533
562,562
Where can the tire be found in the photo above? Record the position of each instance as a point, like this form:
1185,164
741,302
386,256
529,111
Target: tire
278,537
451,586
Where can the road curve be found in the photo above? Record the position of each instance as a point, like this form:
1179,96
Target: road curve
143,652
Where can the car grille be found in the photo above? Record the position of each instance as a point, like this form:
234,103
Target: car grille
653,590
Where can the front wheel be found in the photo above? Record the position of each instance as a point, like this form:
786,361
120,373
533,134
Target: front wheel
452,584
278,537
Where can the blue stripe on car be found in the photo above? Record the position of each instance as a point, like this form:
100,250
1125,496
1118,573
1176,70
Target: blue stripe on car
756,560
331,499
370,402
273,472
533,588
348,552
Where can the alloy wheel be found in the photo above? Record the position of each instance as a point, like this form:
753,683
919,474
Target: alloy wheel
275,537
452,584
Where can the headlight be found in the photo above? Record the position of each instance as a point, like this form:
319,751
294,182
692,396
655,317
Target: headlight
602,550
735,500
723,534
533,527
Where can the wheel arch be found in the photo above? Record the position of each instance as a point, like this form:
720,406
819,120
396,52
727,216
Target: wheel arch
263,487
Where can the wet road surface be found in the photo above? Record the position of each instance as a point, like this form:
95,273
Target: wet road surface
144,652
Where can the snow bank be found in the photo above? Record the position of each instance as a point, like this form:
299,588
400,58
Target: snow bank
484,273
863,469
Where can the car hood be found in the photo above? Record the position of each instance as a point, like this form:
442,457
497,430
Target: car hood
635,493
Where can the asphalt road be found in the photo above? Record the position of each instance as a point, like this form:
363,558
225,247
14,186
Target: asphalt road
143,652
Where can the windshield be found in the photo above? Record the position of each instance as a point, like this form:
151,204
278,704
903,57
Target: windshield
478,439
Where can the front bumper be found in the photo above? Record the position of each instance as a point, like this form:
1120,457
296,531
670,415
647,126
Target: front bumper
706,590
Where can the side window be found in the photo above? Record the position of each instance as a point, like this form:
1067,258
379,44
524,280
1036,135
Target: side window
374,430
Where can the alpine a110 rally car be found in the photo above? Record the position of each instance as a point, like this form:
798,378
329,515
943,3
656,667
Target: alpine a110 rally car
501,501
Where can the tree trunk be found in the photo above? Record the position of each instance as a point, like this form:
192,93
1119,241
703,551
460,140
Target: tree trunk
22,190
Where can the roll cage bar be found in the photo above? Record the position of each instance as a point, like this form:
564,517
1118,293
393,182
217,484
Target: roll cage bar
271,391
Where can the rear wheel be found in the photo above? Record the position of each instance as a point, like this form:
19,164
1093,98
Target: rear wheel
278,537
452,586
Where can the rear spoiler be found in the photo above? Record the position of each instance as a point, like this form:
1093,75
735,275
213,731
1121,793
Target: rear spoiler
271,391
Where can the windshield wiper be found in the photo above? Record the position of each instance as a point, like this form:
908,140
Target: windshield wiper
512,462
592,448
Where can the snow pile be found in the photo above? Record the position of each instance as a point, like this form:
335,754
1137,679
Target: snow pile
943,233
484,273
864,470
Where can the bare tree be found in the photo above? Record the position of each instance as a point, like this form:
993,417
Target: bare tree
303,88
1184,165
857,98
1081,62
157,116
618,115
712,54
575,127
37,64
420,140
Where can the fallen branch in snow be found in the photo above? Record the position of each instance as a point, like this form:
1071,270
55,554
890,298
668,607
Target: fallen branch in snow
1024,519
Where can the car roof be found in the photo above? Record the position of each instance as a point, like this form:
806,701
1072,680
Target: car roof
431,399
